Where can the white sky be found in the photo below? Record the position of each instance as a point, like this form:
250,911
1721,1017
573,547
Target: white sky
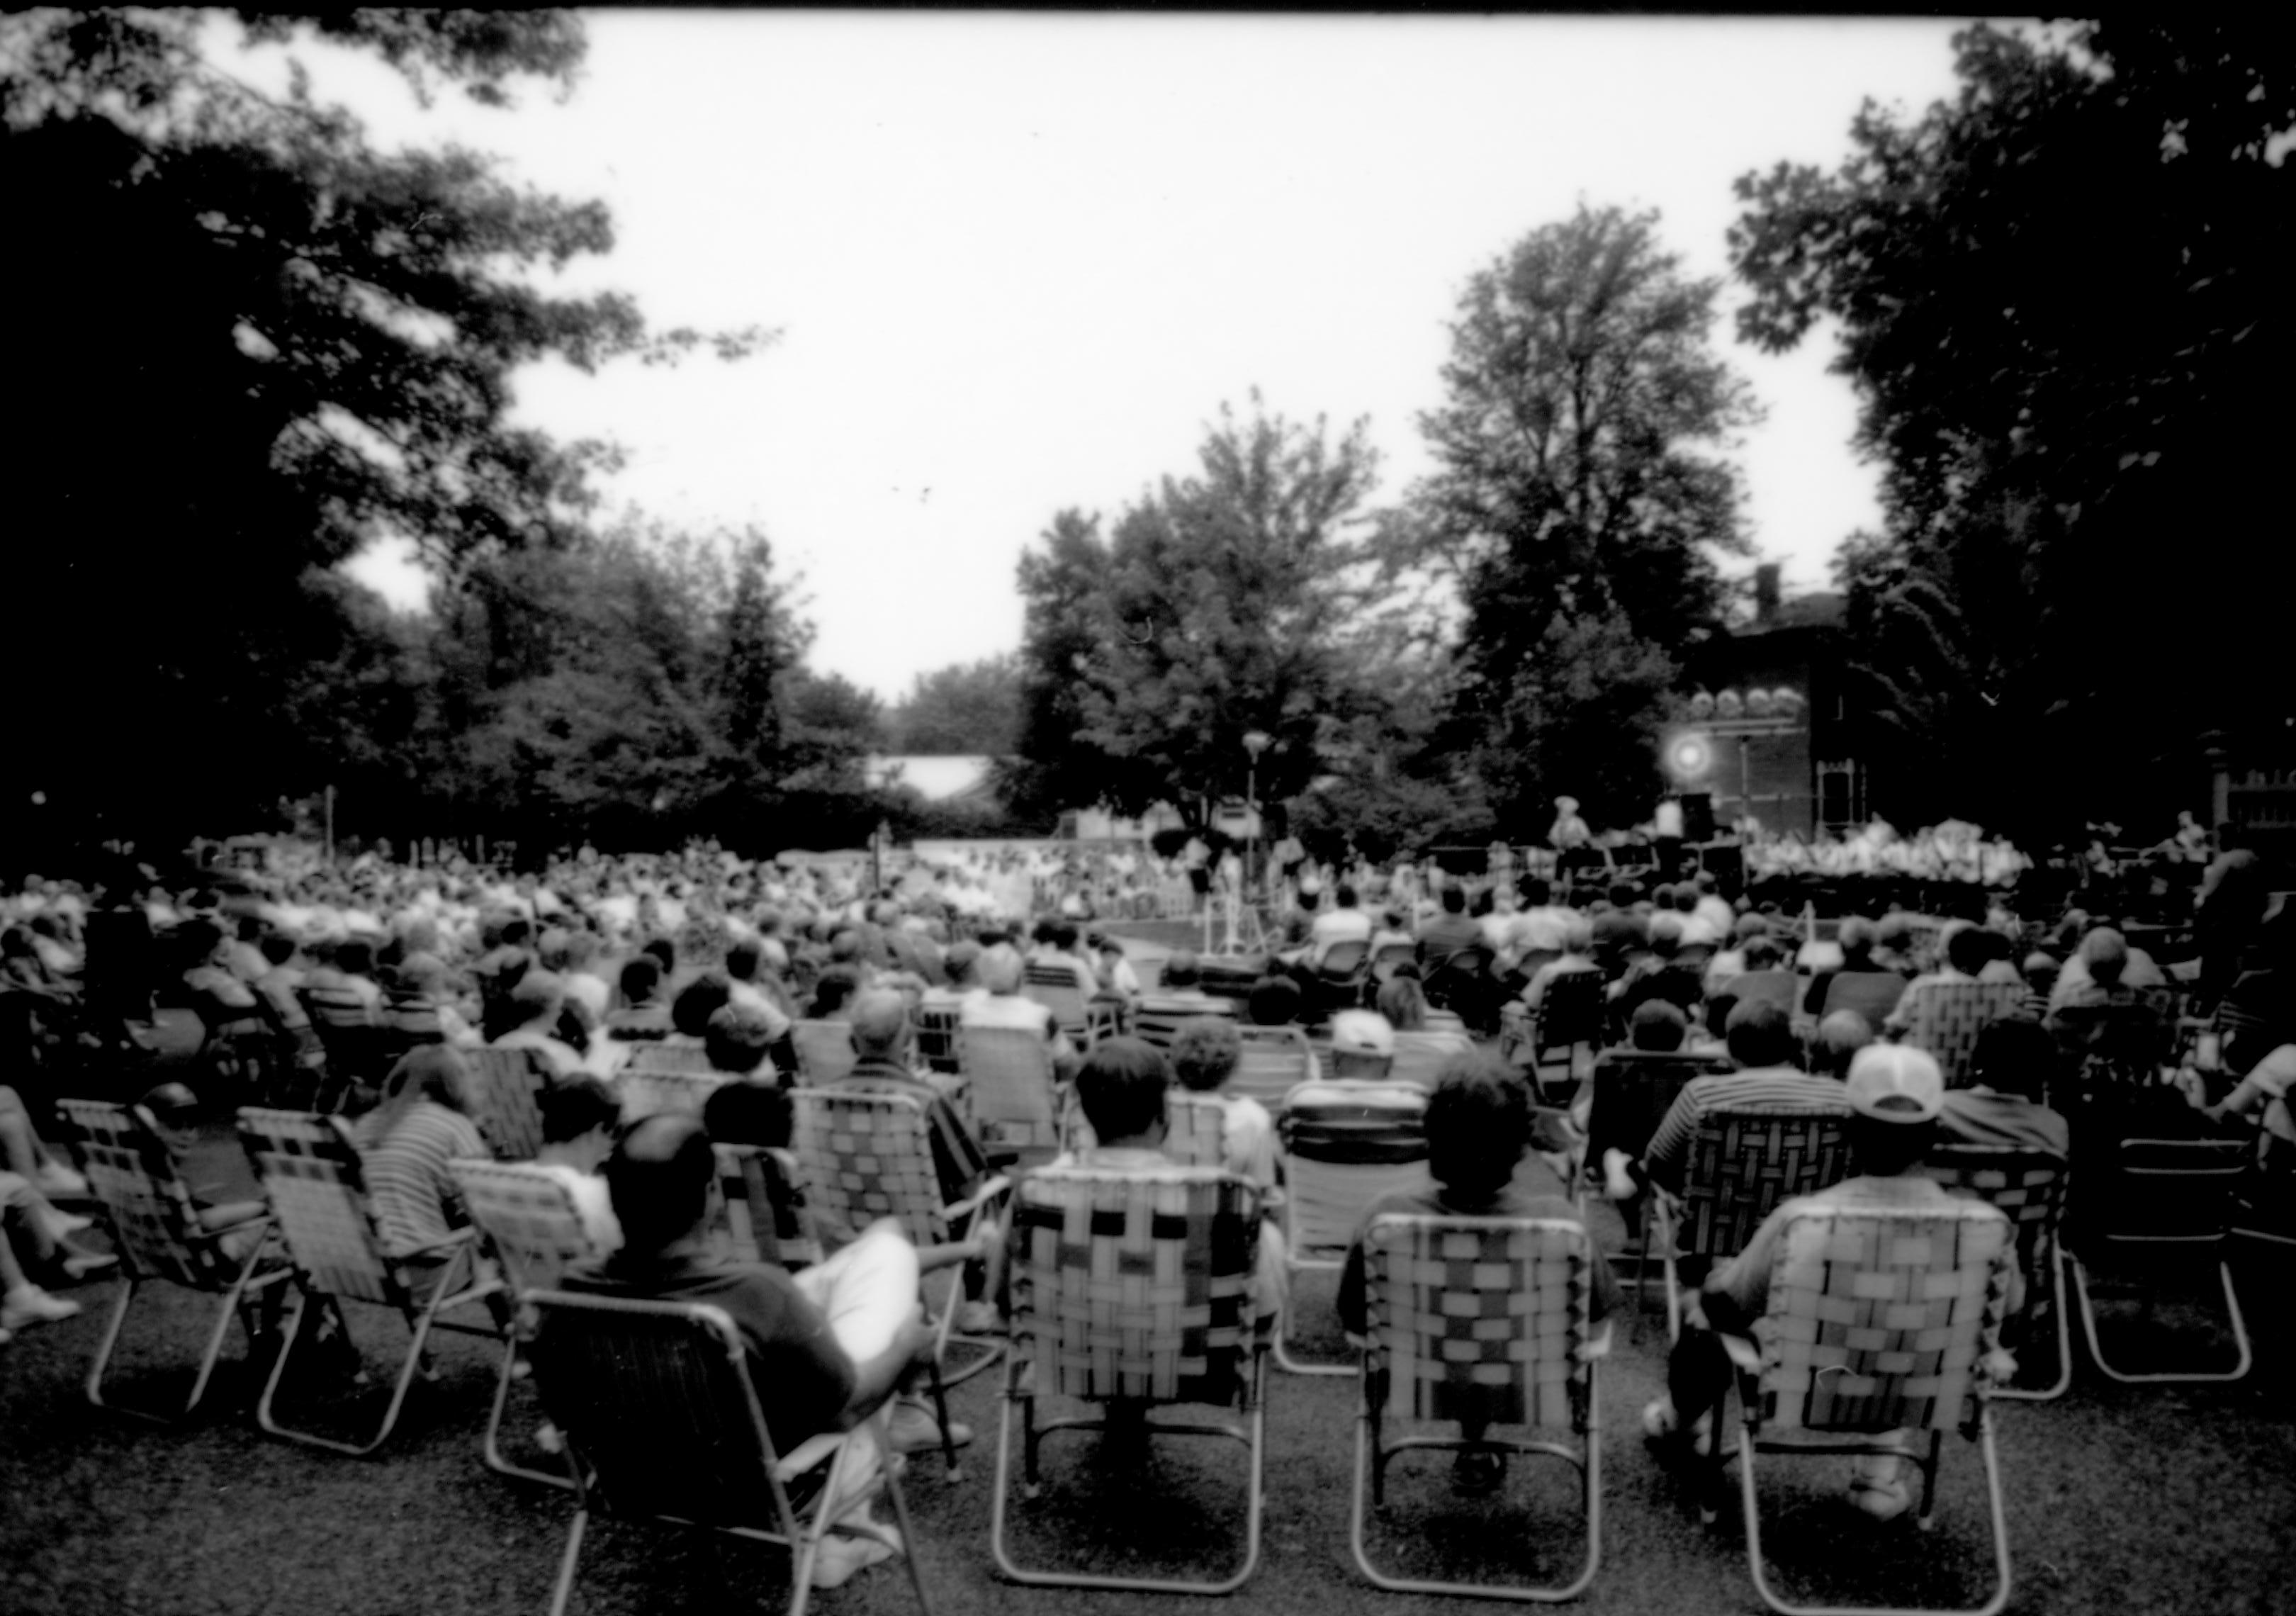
1020,262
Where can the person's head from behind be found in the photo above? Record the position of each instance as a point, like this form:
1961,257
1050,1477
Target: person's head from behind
1762,954
1537,894
428,1071
664,953
659,1177
1578,937
1206,1052
2105,952
743,960
1121,1085
834,991
961,964
1686,899
1403,1003
747,1113
880,1026
1001,971
1478,1126
1345,898
699,999
1760,1034
2015,1055
278,947
1273,1001
579,1115
1622,895
1454,899
1840,1036
1658,1026
1968,948
1858,937
1182,971
1895,1093
735,1039
641,978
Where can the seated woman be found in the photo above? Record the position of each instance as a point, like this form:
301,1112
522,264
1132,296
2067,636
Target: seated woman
1204,1055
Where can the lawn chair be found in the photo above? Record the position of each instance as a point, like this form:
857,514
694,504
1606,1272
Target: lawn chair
1743,1165
663,1421
665,1057
864,1156
936,1033
312,1176
765,1210
156,1228
505,1090
360,1051
2170,1199
528,1219
1345,1145
1945,1019
1134,1289
1480,1319
650,1094
1878,1322
1629,1093
1872,994
1195,1129
1573,1011
1085,1021
1384,963
1462,984
1016,1099
1157,1022
825,1051
2028,1186
1276,1061
1340,974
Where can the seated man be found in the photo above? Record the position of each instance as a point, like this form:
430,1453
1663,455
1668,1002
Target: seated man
826,1346
1480,1133
1449,930
1344,922
1121,1086
2103,970
1005,1005
1893,1097
1761,1041
1967,947
2009,1071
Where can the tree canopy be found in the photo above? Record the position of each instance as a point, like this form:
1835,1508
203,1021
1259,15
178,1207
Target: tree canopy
971,709
2063,299
259,344
1220,604
1581,499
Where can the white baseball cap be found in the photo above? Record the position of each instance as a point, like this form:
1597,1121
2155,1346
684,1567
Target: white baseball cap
1895,1083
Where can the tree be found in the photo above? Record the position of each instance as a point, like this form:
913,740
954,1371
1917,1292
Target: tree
1579,501
259,343
2061,297
1221,604
971,709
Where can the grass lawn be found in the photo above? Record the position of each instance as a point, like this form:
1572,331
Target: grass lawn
2121,1499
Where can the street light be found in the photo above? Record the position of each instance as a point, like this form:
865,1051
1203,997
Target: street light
1255,741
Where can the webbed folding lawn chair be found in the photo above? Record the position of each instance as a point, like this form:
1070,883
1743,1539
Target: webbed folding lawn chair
528,1219
647,1093
1345,1145
313,1178
1134,1289
1628,1094
505,1097
1016,1099
1195,1129
1276,1061
156,1229
1743,1165
1084,1019
936,1035
2169,1200
1485,1321
663,1423
1945,1019
864,1156
1573,1014
668,1057
2029,1187
1878,1322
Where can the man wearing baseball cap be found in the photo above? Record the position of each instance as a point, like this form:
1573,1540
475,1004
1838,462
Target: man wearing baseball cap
1895,1093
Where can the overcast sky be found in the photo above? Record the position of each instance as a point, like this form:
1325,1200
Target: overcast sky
1019,262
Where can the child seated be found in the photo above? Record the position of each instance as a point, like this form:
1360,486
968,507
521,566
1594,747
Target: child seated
1479,1124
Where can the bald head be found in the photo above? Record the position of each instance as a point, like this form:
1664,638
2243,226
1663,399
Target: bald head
880,1024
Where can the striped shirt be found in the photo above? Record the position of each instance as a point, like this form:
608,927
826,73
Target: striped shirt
407,1185
1774,1090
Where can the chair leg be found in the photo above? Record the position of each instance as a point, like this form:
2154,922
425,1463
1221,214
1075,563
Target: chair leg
1284,1360
491,1446
2060,1304
565,1588
439,1297
2232,1304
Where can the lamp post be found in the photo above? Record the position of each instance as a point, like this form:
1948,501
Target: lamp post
1255,741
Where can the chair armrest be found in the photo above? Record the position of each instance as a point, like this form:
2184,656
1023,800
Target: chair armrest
1745,1356
988,1190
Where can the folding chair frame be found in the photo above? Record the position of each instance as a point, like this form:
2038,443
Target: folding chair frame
1373,1451
274,1133
2229,1151
1748,1361
1020,1388
802,1537
194,1255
